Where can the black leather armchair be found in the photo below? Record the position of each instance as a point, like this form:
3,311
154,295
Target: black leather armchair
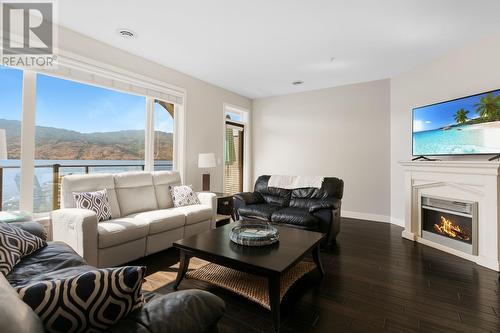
186,311
316,209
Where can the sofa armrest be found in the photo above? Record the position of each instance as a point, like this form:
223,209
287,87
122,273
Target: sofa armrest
33,228
187,311
210,199
77,228
249,198
328,203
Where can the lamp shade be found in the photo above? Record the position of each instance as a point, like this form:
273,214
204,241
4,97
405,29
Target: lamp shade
206,160
3,145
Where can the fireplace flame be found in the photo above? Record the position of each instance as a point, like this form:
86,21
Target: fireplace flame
450,229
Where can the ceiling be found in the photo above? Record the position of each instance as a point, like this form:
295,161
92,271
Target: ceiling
258,47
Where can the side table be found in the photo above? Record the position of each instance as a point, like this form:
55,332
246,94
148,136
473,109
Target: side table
225,210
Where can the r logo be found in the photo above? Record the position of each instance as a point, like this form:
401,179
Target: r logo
27,28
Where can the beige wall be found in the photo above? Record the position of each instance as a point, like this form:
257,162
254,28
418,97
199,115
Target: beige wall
471,70
204,101
341,132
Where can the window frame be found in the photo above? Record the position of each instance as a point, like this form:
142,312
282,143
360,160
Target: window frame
91,72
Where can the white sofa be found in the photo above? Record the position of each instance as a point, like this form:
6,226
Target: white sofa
143,222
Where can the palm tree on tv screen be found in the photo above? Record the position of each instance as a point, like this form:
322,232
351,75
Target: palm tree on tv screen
489,106
461,116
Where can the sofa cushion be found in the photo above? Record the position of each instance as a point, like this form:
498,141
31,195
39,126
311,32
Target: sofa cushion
89,183
258,211
15,243
121,230
135,192
15,315
306,197
195,213
96,201
298,217
162,220
185,311
46,264
88,302
272,195
162,180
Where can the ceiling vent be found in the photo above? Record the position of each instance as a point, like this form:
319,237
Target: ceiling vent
126,33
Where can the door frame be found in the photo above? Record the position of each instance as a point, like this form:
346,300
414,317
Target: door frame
245,115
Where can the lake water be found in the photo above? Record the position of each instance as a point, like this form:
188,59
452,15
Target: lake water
465,139
43,177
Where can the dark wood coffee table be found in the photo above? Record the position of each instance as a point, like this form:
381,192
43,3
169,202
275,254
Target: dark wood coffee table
270,261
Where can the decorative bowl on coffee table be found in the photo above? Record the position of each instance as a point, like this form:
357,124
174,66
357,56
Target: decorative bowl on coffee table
254,233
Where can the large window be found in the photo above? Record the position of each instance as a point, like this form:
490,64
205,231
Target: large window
85,129
11,87
75,127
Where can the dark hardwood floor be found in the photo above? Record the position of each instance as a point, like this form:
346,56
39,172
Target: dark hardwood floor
375,281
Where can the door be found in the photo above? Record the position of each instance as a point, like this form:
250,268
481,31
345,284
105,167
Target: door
233,157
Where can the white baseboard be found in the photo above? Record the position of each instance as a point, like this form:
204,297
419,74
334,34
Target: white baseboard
366,216
397,221
373,217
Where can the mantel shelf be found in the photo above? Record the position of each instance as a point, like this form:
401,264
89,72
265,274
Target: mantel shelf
467,167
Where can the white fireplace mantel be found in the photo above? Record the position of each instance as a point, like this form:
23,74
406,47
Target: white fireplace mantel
474,181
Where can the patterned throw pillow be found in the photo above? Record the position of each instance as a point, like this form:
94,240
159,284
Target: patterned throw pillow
96,201
183,195
16,243
89,302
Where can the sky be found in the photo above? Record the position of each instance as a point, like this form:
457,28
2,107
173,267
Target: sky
76,106
443,114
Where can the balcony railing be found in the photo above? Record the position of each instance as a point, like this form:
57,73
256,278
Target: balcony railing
47,181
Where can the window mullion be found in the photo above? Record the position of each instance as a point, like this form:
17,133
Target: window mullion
28,141
149,135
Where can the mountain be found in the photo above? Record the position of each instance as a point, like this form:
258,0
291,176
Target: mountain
61,144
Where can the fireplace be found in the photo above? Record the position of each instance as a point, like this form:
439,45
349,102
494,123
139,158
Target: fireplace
450,223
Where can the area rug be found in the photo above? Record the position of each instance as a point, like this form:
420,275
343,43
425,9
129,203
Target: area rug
250,286
157,280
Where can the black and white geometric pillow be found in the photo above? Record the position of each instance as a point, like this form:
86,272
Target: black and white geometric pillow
16,243
96,201
89,302
183,195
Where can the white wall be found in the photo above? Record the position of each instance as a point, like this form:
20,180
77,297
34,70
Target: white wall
341,132
204,101
471,70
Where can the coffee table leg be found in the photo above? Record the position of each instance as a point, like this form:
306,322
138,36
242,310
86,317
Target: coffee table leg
183,266
274,299
317,259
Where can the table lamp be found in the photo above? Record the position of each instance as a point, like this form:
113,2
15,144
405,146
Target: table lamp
206,161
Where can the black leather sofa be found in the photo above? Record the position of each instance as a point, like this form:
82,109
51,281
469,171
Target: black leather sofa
185,311
305,208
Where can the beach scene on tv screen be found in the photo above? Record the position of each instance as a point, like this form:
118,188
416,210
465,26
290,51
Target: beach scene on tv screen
470,125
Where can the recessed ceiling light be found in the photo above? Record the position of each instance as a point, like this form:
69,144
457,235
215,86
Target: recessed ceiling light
127,33
297,83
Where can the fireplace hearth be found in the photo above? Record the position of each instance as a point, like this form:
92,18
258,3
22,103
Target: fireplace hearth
450,223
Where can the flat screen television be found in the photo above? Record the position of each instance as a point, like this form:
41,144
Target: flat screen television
463,126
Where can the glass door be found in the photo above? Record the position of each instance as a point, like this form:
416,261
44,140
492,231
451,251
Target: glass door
233,157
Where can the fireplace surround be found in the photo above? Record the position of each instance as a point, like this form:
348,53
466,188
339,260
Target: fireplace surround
467,195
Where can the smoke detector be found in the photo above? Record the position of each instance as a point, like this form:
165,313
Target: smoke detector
126,33
297,83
